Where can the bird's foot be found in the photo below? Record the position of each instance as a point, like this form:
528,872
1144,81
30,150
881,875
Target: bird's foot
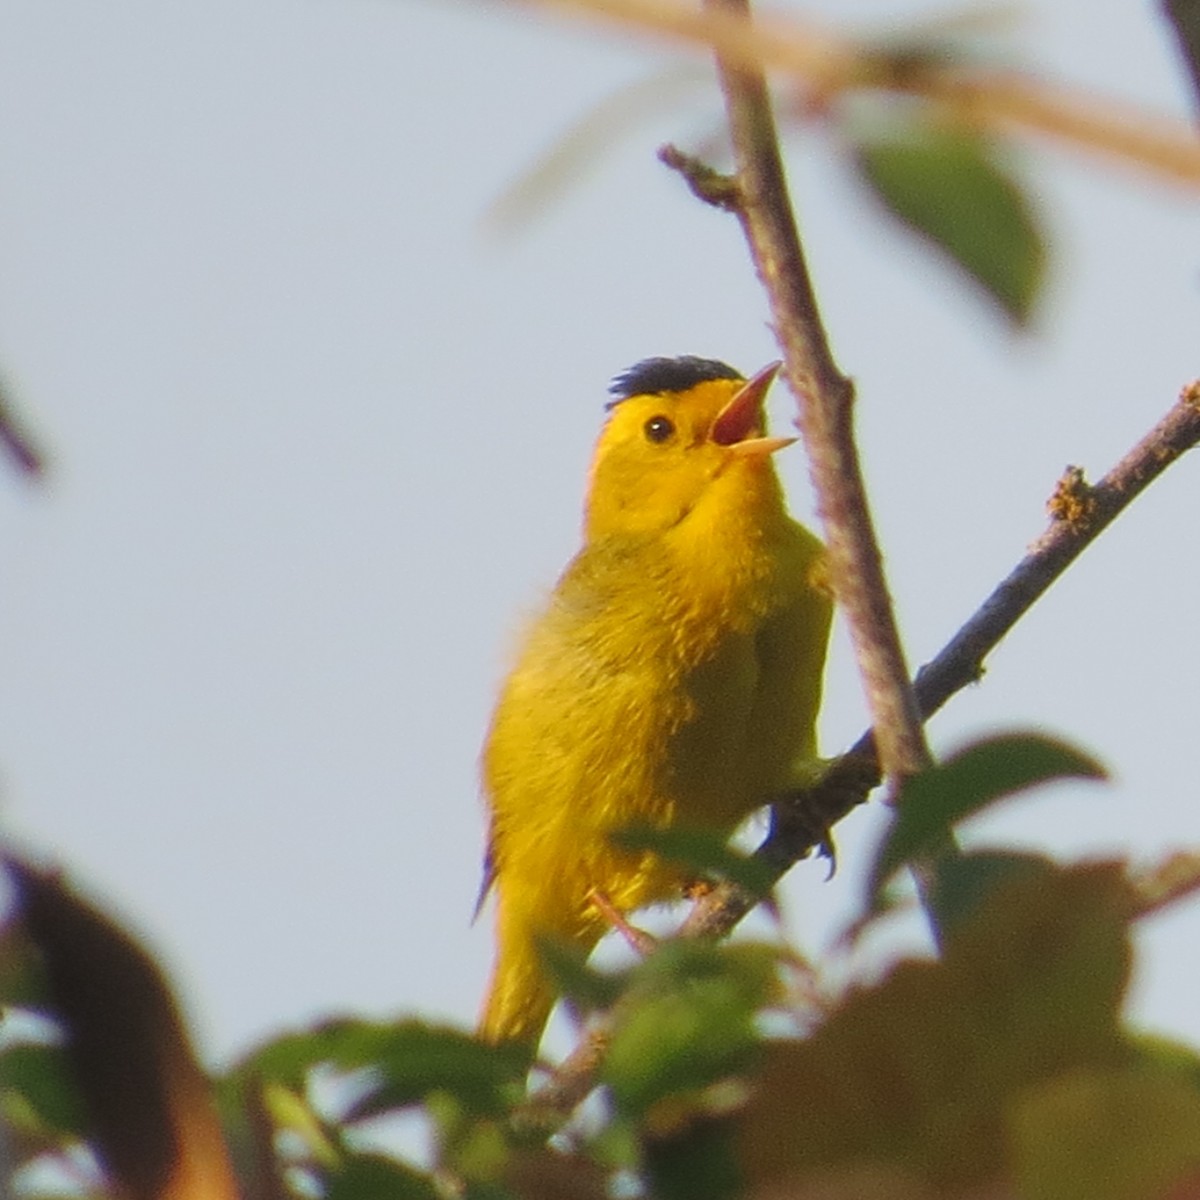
638,940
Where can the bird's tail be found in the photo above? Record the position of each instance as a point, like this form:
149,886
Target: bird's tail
520,996
521,993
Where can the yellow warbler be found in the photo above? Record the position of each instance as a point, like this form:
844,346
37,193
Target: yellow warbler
673,678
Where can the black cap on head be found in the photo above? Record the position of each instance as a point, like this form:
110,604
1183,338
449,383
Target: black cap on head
653,375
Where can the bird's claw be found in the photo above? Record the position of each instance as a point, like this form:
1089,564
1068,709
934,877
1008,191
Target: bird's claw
638,940
827,849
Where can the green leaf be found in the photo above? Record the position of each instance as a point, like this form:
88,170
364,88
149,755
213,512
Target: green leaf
1106,1135
1169,1056
288,1059
410,1059
946,185
414,1059
575,153
583,985
373,1177
293,1114
687,1021
38,1094
968,782
474,1149
694,1163
703,852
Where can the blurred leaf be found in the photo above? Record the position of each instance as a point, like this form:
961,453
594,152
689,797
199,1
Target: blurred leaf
687,1020
410,1058
1105,1135
39,1095
373,1177
962,881
1184,15
1169,1057
22,977
583,985
966,783
1169,881
287,1060
413,1059
150,1109
945,184
694,1163
577,151
291,1113
615,1146
473,1148
916,1074
541,1174
700,851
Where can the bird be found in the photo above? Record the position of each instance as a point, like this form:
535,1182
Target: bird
672,679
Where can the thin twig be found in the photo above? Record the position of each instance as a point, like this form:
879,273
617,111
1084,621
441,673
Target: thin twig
826,399
803,825
705,182
16,443
1166,883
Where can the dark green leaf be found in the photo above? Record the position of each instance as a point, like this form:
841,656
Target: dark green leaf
288,1060
409,1058
945,184
372,1177
415,1059
703,852
38,1093
696,1162
974,778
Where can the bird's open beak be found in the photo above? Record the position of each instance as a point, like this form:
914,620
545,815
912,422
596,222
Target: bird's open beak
742,418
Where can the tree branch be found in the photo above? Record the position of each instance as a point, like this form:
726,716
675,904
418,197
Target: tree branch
825,398
15,442
803,821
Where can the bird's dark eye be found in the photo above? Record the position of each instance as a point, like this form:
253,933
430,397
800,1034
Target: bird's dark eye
658,429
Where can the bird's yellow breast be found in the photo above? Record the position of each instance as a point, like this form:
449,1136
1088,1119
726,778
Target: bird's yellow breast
673,679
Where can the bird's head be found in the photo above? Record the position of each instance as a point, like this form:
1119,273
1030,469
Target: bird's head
677,426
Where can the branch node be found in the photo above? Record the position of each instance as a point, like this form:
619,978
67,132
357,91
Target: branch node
1073,501
704,182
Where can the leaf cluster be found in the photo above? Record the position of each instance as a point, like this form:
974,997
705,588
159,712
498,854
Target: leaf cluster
1004,1066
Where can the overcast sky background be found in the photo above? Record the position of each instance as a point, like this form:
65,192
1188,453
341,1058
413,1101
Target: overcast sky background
317,443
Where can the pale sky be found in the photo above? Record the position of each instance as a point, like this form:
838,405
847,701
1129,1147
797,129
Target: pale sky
318,443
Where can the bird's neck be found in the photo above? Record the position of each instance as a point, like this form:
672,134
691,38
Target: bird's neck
723,553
